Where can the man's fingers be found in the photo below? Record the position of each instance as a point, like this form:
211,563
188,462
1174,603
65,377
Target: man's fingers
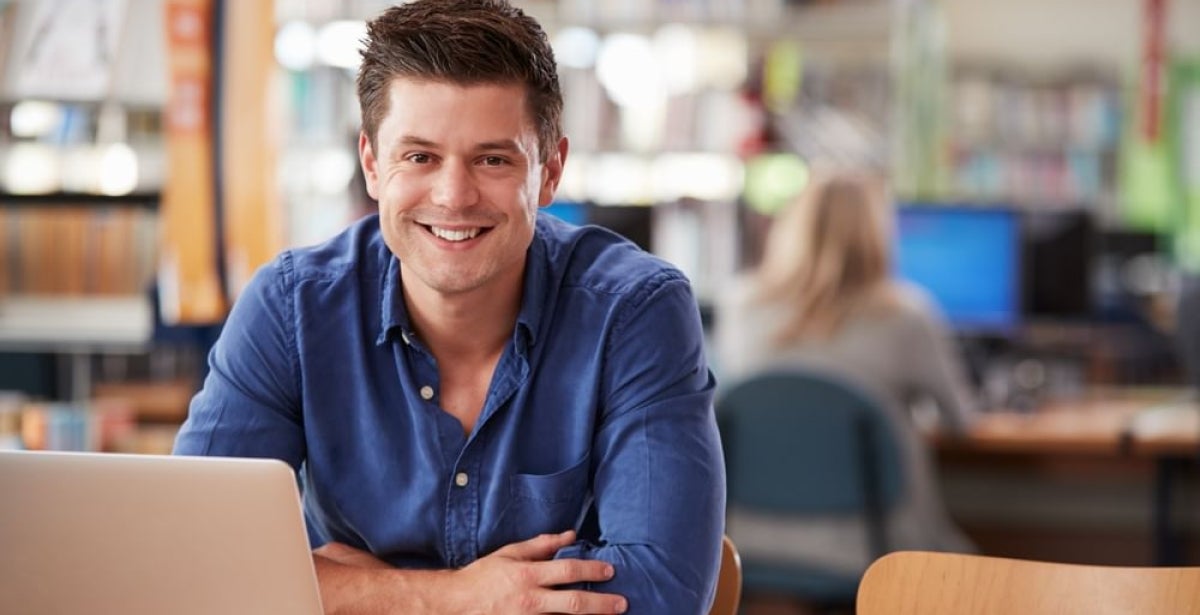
523,577
565,571
538,548
570,601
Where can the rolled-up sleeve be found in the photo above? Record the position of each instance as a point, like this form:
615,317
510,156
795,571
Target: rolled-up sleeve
249,405
659,481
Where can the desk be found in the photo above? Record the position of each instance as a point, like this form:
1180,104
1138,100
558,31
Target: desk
1149,424
1079,427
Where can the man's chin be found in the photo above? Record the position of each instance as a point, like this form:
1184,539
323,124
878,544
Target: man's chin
450,283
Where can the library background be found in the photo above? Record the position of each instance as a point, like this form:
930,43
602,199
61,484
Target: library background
1044,158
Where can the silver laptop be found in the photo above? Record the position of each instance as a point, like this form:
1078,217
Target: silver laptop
151,534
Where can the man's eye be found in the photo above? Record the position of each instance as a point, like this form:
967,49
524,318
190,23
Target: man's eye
419,158
493,161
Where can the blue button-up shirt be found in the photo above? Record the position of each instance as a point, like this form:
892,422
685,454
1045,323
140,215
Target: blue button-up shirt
598,417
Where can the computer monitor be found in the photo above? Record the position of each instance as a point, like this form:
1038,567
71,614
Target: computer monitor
633,222
569,211
967,258
1126,263
1057,249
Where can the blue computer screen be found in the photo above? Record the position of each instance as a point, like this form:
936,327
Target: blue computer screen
967,258
575,213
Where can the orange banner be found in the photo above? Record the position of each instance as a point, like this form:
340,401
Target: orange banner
249,142
1153,84
189,281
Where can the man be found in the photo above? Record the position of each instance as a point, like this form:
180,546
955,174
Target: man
491,411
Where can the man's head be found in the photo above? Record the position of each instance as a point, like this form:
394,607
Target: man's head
463,42
461,143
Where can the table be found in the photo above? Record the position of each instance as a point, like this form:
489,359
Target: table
1162,425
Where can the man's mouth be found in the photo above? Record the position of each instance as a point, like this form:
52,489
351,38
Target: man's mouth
455,234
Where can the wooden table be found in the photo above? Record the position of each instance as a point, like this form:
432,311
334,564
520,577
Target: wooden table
1156,424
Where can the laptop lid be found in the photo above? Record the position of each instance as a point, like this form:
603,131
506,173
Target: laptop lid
151,534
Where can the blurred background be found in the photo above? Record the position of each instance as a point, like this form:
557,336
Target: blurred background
1044,160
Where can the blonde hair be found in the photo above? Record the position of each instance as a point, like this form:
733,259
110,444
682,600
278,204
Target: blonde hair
826,253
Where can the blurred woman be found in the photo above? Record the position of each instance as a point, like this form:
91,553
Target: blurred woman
824,297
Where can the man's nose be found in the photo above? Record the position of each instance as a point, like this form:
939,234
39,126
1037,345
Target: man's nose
454,186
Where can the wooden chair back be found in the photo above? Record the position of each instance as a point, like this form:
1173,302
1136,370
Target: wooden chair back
921,583
729,582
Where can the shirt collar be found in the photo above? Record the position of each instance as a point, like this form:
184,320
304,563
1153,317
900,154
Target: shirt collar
394,313
533,297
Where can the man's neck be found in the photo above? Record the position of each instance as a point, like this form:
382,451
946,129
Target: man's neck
465,326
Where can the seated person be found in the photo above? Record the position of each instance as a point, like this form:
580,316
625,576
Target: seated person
491,411
824,297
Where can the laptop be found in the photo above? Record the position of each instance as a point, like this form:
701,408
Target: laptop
151,534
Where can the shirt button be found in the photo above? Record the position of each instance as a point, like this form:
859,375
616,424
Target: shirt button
461,479
426,392
404,336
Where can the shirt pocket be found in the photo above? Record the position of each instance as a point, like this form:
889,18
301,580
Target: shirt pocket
545,503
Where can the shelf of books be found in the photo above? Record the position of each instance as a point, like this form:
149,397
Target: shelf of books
75,275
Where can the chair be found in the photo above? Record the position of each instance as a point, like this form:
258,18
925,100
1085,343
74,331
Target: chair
729,582
800,443
917,582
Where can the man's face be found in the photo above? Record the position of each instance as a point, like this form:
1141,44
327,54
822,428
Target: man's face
458,182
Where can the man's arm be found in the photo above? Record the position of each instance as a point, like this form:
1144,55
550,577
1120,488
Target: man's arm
659,482
517,579
250,403
250,407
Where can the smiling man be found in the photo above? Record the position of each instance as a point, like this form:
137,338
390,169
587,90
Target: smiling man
491,411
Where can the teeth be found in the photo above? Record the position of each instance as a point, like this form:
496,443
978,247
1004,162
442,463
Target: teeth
454,234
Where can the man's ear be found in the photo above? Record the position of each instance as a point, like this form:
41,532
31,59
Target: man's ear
552,173
366,158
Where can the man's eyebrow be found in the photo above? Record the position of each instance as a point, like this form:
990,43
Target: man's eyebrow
509,146
502,145
415,140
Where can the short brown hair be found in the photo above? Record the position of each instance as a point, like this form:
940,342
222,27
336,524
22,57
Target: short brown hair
465,42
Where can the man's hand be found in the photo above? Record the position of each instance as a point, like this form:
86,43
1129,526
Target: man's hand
518,579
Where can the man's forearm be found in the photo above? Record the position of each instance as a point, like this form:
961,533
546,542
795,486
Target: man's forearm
652,581
516,579
364,588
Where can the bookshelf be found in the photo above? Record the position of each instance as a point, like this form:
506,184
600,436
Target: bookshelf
1037,141
74,273
77,252
740,79
68,245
